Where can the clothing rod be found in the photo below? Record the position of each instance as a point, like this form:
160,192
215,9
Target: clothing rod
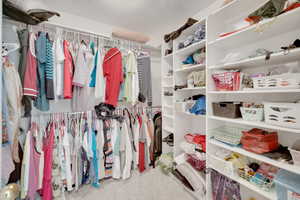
92,111
46,25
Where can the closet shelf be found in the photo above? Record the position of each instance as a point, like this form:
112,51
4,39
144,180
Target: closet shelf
193,115
167,106
168,58
235,6
253,91
168,116
269,195
276,58
168,86
168,77
288,20
255,124
288,167
191,68
168,129
190,49
192,89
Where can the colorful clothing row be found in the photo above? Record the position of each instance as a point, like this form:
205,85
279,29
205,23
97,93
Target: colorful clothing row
67,154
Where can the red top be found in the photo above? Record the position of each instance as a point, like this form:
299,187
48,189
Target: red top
112,70
68,71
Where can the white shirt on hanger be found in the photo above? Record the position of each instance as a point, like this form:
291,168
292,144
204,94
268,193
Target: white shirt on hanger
128,152
100,80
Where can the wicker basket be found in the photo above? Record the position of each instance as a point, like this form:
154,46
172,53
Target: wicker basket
227,109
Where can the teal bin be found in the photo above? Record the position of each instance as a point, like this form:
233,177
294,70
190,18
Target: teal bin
287,185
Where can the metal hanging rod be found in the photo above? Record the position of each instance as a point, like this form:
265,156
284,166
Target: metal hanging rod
47,26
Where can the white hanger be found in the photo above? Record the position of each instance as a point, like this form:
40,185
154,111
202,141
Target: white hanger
9,48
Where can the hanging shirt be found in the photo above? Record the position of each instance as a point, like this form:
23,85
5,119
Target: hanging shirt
48,160
115,137
34,161
128,152
60,58
49,70
41,102
67,153
81,69
100,81
30,79
145,84
131,81
25,167
68,72
112,68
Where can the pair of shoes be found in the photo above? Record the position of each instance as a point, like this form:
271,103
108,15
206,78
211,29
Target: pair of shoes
167,93
180,87
169,140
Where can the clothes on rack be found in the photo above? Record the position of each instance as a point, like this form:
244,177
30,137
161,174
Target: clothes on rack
63,152
54,68
144,76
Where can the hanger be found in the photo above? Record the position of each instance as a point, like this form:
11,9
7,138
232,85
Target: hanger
8,48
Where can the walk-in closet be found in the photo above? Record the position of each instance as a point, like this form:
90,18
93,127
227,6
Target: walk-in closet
150,100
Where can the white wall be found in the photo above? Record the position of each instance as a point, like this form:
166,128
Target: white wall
205,12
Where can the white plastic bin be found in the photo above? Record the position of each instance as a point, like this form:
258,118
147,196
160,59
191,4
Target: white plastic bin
283,114
287,185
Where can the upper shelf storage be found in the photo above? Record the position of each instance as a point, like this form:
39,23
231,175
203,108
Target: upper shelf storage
269,28
276,58
226,18
191,49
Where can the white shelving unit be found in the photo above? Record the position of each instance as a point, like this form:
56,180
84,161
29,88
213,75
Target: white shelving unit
167,101
176,121
272,35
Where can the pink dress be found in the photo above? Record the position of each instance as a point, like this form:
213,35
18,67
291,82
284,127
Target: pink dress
68,72
48,152
34,163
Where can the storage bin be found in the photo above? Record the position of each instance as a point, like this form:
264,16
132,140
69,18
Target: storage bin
283,114
263,182
196,162
287,80
228,81
287,185
252,114
221,165
227,109
295,152
259,141
229,135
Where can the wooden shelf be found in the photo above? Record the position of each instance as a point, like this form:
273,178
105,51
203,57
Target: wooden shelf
282,165
192,89
193,115
276,58
168,129
255,124
190,49
167,106
269,195
288,20
253,91
190,68
168,116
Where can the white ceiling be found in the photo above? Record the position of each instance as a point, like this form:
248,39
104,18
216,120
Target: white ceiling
152,17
